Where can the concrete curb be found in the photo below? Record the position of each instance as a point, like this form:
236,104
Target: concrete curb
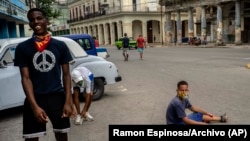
203,46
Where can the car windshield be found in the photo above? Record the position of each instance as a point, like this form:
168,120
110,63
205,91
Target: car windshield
76,49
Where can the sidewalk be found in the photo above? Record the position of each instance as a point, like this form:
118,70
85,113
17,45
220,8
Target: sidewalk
209,45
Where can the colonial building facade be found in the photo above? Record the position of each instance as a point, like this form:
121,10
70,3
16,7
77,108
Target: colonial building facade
219,21
108,20
162,21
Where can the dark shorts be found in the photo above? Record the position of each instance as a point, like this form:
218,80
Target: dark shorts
196,116
53,105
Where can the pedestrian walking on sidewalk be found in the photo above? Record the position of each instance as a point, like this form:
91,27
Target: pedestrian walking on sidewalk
140,45
125,47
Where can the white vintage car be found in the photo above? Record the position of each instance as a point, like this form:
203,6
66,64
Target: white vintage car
11,92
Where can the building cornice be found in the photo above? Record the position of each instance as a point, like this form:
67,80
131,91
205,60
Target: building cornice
117,16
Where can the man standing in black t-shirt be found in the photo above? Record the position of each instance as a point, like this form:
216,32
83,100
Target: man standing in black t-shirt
45,73
125,46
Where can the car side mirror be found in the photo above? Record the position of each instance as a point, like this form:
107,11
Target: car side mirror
3,64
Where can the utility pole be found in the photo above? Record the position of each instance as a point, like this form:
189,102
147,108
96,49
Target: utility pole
161,28
174,14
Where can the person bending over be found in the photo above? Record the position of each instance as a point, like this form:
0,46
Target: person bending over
83,79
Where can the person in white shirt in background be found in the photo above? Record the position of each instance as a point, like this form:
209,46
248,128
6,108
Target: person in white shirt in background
82,78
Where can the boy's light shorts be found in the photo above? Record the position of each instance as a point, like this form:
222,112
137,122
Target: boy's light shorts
140,50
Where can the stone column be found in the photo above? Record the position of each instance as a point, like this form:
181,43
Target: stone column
112,33
190,23
100,34
82,30
237,23
203,24
90,30
219,26
119,30
97,32
106,35
94,31
85,30
144,32
168,35
144,29
179,31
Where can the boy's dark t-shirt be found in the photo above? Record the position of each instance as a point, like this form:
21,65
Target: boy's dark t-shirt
125,42
44,67
176,110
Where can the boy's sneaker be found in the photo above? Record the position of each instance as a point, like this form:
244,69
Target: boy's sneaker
78,119
88,117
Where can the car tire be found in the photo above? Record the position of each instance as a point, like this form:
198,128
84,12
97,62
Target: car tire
98,89
97,92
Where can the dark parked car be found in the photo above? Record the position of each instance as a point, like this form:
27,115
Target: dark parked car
87,43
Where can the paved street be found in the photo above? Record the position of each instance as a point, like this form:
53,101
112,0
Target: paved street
218,79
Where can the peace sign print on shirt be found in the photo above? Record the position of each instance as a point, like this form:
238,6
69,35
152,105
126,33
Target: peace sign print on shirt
44,65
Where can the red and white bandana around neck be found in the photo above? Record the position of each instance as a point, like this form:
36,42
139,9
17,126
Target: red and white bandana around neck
42,42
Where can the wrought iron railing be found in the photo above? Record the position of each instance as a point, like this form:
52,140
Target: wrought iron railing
139,8
173,5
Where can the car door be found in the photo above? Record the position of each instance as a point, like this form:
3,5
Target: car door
11,94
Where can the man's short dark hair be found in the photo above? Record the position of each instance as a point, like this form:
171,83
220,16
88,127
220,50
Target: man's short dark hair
36,9
182,82
125,34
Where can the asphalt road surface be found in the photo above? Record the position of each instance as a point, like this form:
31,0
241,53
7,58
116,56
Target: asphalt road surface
218,82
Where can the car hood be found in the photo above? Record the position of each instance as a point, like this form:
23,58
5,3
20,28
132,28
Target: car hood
86,59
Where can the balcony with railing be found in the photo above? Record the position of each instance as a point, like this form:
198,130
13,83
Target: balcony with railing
13,10
173,5
129,9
